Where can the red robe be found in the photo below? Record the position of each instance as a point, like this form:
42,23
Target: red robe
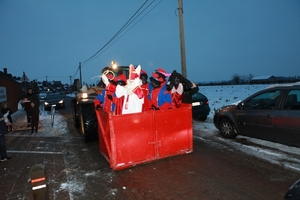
147,103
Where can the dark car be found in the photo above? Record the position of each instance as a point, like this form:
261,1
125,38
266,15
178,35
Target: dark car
293,192
54,99
200,106
271,114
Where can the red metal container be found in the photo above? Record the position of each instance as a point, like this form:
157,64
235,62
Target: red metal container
131,139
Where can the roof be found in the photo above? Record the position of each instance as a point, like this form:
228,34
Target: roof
284,85
262,77
24,78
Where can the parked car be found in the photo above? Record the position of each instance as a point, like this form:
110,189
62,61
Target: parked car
200,106
272,114
42,95
54,99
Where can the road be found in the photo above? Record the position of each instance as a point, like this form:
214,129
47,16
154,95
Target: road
77,170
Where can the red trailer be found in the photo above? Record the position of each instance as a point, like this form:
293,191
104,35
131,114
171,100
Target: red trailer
130,139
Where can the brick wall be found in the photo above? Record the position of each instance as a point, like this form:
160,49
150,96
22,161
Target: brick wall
13,92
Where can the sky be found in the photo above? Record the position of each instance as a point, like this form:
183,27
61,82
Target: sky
48,39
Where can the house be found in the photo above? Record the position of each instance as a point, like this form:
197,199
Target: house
263,79
273,79
10,90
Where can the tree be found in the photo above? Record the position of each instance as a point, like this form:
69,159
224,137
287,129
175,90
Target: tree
236,78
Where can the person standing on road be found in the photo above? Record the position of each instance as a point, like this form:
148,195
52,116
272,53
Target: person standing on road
35,112
3,131
27,99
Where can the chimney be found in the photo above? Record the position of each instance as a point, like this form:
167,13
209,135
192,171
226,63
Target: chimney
5,71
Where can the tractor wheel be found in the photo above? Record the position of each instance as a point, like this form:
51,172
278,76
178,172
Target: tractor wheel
88,122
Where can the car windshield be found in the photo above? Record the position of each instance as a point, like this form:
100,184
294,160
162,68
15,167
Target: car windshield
197,95
54,96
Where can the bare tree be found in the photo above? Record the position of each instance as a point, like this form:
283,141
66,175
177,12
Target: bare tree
236,78
250,76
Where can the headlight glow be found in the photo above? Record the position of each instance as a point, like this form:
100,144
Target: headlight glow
84,95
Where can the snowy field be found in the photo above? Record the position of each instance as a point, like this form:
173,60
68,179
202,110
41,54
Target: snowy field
219,96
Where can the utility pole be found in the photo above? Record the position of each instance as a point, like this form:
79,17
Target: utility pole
182,43
80,75
70,80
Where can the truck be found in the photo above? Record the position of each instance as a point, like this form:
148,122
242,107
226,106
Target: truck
83,111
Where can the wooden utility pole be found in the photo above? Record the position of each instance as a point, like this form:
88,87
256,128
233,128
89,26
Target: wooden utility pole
182,43
80,75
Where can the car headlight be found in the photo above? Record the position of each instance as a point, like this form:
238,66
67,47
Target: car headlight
46,103
84,95
61,101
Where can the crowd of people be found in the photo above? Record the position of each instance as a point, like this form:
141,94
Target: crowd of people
135,94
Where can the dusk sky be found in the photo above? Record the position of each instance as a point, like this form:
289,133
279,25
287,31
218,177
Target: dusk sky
48,38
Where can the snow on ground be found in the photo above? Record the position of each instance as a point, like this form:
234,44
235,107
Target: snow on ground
222,95
46,128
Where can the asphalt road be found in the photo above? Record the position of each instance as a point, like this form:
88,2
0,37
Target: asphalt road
77,170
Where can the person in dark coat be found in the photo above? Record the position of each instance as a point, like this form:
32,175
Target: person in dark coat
35,113
189,88
188,93
3,131
27,99
6,110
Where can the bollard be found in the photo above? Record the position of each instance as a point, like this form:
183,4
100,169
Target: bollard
52,114
38,182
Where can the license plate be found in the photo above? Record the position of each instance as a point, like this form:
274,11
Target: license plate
196,104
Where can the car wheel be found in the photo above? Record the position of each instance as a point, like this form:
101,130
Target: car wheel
227,129
202,118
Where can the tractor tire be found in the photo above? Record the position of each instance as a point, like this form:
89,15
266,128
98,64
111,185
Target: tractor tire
88,122
75,113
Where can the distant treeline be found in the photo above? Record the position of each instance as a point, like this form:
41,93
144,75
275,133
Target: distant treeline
250,79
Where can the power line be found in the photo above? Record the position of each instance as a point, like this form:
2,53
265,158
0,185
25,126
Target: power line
118,32
106,47
126,25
